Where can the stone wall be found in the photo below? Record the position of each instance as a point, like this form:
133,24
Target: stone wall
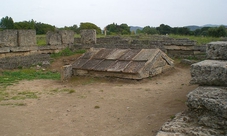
173,47
18,48
23,61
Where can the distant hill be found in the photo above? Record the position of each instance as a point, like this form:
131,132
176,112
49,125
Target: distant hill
194,27
134,28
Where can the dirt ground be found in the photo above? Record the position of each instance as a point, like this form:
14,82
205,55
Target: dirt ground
96,106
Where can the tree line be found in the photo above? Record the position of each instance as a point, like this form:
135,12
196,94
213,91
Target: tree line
163,29
113,29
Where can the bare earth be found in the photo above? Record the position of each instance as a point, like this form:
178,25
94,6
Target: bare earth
98,107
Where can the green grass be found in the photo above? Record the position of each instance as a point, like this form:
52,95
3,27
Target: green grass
98,35
67,52
41,40
201,40
10,77
63,90
13,104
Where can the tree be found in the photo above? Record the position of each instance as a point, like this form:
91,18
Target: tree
25,25
73,28
7,23
123,29
149,30
217,31
164,29
180,31
42,28
88,25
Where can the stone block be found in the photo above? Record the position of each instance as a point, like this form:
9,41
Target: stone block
88,36
217,50
211,99
8,38
4,49
53,38
66,72
26,38
209,105
209,72
23,49
67,37
186,124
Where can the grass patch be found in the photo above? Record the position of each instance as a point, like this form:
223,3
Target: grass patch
201,40
41,40
67,52
10,77
172,117
97,107
63,90
13,104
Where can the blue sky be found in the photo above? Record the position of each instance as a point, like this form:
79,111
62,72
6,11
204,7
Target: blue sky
103,12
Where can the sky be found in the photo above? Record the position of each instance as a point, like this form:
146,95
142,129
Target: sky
175,13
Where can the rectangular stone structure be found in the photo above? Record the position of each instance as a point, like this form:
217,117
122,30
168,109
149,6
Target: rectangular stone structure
53,38
217,50
66,72
26,38
67,37
88,36
209,72
8,38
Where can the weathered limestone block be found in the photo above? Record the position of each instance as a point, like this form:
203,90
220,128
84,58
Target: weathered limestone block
179,47
8,38
209,72
67,37
217,50
23,48
53,38
209,99
26,38
88,36
66,72
185,124
4,49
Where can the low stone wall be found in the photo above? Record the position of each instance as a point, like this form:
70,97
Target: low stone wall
173,47
23,61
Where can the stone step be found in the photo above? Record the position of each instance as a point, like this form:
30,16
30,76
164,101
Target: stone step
209,72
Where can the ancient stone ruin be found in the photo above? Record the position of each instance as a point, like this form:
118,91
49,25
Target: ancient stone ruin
62,37
18,48
88,36
207,105
183,48
122,63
